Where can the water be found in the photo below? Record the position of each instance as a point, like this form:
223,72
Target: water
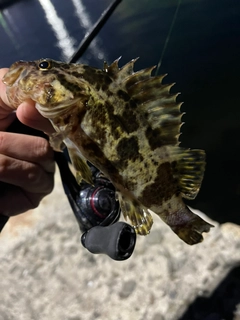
202,56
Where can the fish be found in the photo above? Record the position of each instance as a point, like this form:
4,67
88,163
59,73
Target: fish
127,124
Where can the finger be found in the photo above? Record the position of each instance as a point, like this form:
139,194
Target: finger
20,200
26,175
28,115
28,148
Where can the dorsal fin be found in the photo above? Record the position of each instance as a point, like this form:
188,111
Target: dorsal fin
127,69
153,99
120,74
113,69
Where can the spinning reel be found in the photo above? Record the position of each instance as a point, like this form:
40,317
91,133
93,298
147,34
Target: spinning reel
97,212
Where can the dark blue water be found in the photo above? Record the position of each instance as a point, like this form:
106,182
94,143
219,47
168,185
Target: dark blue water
202,56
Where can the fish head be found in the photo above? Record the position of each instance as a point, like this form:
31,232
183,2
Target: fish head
51,84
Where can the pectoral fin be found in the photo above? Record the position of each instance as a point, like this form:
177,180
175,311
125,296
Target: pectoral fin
56,141
82,170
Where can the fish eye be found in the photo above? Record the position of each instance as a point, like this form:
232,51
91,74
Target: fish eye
44,65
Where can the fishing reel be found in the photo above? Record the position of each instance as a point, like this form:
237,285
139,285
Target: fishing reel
97,212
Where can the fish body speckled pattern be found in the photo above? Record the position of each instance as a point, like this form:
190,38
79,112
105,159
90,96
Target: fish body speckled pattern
126,124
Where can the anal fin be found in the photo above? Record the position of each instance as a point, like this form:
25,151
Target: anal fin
141,218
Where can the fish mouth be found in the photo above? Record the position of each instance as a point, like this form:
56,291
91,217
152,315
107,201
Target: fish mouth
56,111
23,83
16,72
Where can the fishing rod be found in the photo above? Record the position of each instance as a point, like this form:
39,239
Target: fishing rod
84,44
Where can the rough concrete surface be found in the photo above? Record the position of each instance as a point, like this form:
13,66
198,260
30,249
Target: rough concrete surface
46,274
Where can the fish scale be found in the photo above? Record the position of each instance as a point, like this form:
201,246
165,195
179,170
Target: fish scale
126,124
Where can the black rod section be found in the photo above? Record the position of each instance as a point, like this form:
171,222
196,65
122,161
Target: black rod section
94,31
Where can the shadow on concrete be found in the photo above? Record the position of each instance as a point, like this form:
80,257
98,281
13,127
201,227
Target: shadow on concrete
221,305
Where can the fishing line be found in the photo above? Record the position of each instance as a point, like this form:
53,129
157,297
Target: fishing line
168,36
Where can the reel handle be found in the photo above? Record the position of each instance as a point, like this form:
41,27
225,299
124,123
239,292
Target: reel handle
117,240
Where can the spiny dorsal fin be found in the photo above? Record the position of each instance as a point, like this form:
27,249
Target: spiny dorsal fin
127,69
189,168
120,74
153,100
157,103
138,76
113,69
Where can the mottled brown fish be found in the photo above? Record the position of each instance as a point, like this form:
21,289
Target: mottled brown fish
126,124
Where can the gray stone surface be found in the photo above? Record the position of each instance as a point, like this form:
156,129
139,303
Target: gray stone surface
46,274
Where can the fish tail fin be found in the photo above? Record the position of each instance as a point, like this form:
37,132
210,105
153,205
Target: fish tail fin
139,216
187,225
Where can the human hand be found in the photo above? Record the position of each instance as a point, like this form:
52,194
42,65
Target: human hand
26,162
